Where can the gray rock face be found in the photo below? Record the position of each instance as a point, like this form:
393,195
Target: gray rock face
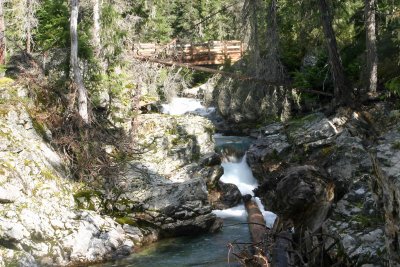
281,160
303,195
167,187
39,223
174,141
266,154
387,170
358,226
314,129
165,191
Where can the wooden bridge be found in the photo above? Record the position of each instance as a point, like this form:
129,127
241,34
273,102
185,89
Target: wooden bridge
208,53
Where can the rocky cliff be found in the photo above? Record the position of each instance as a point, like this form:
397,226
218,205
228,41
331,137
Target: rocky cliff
333,179
47,218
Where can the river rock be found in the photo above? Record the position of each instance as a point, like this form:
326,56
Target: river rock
172,142
266,155
225,196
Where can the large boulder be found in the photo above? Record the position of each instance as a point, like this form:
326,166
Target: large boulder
303,195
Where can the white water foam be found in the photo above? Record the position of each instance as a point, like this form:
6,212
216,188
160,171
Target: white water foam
182,105
239,173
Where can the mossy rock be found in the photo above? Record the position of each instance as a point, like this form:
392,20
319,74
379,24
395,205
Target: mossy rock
126,220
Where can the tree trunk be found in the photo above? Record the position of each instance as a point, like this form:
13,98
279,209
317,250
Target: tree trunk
2,35
372,56
77,77
273,69
28,27
341,90
96,28
256,45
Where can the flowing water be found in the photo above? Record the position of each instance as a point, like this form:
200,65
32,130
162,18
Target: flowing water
207,249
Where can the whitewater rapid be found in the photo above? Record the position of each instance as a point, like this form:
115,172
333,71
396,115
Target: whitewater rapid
239,173
182,105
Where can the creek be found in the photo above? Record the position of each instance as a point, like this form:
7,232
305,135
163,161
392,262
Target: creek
207,249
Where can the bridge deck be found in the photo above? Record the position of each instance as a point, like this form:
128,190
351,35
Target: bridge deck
209,53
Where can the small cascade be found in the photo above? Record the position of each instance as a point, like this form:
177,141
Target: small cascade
239,173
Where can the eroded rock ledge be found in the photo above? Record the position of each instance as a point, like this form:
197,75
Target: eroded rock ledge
336,181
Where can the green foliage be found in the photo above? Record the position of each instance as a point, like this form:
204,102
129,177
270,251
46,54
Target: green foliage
394,85
313,75
53,28
113,34
189,20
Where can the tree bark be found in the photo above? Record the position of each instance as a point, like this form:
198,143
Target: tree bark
341,90
77,77
28,27
273,69
372,56
96,28
2,35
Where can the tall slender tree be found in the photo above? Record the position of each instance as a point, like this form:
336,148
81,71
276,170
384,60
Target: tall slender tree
96,41
77,76
341,89
372,55
2,35
273,69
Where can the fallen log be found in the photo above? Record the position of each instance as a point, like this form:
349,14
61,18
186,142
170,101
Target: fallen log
256,222
257,229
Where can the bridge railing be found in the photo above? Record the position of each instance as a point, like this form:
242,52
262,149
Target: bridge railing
207,53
